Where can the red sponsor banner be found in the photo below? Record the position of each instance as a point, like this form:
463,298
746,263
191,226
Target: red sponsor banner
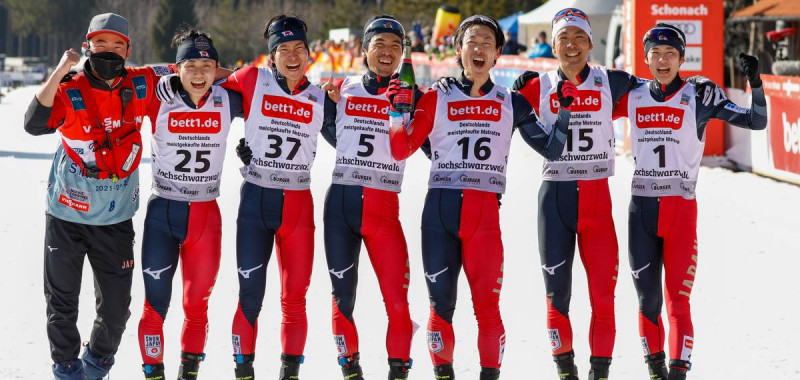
659,117
488,110
285,108
71,203
587,101
787,87
194,122
784,133
367,107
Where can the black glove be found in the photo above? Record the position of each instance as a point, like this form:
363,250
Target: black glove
749,65
244,152
566,94
523,80
443,84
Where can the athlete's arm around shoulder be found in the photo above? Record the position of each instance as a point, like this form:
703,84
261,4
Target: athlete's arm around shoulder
403,143
41,108
620,83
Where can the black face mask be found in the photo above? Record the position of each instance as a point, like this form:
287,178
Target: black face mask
108,65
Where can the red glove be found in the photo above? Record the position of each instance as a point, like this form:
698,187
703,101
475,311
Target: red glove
394,87
567,92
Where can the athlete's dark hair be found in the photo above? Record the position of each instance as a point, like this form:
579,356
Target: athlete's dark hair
499,38
188,32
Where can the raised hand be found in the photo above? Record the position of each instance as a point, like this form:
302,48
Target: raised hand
332,90
749,65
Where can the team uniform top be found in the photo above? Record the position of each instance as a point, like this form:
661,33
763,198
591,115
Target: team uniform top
589,151
363,148
281,127
470,137
189,142
668,131
72,196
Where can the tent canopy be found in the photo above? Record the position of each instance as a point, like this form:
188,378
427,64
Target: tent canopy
544,14
510,23
768,10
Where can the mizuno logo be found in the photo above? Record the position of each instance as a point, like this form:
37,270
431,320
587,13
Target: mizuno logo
552,270
156,274
52,248
636,272
246,273
340,274
432,277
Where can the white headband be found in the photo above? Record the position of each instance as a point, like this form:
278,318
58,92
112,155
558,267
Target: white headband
571,21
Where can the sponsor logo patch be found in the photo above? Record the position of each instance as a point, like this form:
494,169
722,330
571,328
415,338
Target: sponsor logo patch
488,110
194,122
555,339
161,70
435,343
75,199
367,107
152,345
285,108
659,117
686,349
76,99
140,86
341,345
237,344
587,101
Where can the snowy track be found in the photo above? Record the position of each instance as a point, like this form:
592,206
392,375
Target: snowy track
745,300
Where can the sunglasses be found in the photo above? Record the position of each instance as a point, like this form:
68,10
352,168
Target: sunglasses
288,23
385,23
570,12
481,18
662,34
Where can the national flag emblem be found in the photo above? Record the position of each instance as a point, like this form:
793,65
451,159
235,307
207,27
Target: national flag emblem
662,37
598,81
684,99
204,54
217,101
287,33
500,96
312,98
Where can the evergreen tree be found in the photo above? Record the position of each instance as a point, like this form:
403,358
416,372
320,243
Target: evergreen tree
172,14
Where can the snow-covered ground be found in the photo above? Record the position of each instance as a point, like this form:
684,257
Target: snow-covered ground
745,300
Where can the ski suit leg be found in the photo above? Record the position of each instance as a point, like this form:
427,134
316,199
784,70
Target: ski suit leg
558,223
260,213
677,225
597,242
165,227
388,253
111,257
342,225
646,257
482,256
64,253
200,257
441,260
295,250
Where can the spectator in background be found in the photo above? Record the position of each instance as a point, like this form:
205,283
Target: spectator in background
512,47
540,48
417,46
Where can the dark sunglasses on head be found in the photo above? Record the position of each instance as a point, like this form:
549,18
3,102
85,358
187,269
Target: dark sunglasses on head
662,34
568,12
288,23
385,23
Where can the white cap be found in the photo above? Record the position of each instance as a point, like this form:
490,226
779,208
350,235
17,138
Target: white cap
571,17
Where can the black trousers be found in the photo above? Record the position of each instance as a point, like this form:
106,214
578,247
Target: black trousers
110,252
